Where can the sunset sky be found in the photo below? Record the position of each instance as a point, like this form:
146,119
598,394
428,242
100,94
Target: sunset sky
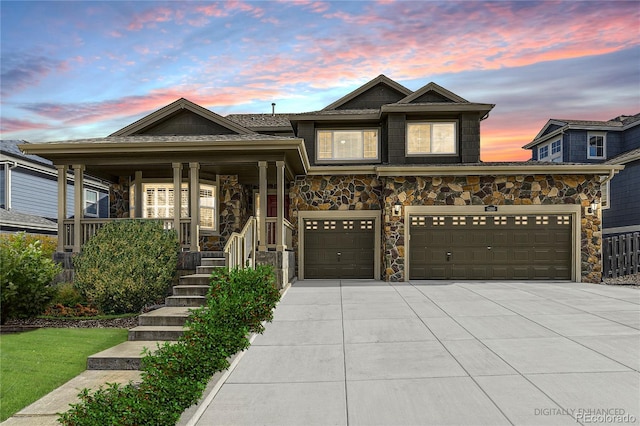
72,70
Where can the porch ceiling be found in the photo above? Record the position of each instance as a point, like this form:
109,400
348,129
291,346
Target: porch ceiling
112,157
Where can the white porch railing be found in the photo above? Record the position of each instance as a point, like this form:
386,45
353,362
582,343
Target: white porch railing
240,249
91,226
272,231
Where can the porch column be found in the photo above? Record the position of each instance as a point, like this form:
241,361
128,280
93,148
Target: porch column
62,204
194,204
137,208
177,197
78,202
262,220
280,240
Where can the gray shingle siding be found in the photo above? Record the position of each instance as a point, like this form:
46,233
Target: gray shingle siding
307,131
187,123
374,98
624,207
397,129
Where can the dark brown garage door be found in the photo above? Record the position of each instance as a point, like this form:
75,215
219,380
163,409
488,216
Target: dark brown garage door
490,247
339,248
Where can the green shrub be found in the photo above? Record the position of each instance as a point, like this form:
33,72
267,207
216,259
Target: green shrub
66,294
128,264
48,244
25,277
175,376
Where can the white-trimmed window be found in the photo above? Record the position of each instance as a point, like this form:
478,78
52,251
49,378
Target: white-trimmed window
543,152
158,202
91,203
596,145
551,151
431,138
347,145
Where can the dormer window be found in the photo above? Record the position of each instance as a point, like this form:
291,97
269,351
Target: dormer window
347,145
543,152
431,138
596,148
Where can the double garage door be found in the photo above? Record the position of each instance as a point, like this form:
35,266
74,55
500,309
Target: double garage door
490,247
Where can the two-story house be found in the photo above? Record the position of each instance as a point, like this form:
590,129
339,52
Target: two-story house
384,183
29,192
616,141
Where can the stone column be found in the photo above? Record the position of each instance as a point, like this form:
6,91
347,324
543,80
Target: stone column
78,202
280,239
194,205
62,204
262,220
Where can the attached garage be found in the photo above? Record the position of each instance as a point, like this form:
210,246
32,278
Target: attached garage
479,246
339,247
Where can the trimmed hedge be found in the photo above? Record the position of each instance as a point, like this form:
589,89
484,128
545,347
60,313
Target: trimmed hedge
127,265
175,376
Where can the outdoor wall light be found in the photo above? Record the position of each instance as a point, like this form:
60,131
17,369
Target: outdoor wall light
593,208
397,208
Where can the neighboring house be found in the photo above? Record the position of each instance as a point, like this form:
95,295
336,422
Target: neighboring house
29,192
384,183
616,141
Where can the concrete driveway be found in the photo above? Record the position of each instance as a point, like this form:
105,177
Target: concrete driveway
439,353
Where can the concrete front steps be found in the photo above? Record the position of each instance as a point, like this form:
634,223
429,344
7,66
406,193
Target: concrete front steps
161,325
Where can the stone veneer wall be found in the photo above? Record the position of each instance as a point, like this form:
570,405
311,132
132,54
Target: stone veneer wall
233,212
487,190
119,199
355,192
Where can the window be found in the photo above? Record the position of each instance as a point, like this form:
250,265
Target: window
91,206
350,145
543,152
551,151
596,145
158,199
425,138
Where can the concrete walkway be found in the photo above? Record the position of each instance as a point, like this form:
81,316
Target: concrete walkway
438,353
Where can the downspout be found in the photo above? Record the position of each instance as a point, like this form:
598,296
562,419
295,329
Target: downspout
7,182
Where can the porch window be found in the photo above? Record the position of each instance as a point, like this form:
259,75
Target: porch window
349,145
158,201
596,148
431,138
91,206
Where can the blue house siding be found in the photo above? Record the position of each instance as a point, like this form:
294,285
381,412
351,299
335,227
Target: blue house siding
632,139
33,193
2,180
624,207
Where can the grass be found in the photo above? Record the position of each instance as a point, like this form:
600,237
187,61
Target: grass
34,363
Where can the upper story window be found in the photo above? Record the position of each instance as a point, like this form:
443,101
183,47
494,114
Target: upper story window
91,205
551,151
431,138
347,145
596,145
543,152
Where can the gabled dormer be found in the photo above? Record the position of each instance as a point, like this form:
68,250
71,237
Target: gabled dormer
372,95
182,118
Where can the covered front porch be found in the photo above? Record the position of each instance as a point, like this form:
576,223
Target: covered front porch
225,183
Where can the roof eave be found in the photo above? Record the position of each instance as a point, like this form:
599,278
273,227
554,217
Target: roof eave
453,107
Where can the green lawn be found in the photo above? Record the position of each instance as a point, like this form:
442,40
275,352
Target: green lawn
34,363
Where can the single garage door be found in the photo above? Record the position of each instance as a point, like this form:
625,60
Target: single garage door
490,247
339,248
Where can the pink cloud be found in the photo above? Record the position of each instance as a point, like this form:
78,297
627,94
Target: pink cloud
10,125
150,17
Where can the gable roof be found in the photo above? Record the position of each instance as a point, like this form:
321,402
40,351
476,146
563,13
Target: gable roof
381,79
433,87
10,147
621,122
166,112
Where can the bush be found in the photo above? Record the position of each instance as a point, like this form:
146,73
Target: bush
48,244
26,275
128,264
175,376
67,295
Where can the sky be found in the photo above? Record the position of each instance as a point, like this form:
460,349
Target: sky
72,70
